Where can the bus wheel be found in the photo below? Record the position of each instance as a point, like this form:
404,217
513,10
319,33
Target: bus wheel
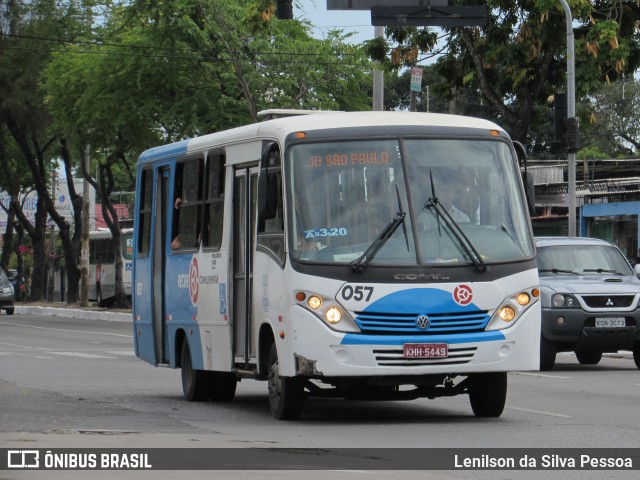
547,354
194,382
286,394
488,393
589,358
222,387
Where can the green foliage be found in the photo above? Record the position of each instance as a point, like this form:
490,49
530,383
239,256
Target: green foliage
519,59
610,118
592,153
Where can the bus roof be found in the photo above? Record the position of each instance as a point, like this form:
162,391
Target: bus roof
280,127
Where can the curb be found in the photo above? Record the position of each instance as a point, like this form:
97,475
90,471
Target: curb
76,313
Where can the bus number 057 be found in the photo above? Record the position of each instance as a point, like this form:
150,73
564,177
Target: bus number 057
357,293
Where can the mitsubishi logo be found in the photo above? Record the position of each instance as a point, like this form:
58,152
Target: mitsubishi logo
422,322
609,303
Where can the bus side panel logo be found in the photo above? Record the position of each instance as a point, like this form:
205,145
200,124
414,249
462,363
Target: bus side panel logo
194,281
463,295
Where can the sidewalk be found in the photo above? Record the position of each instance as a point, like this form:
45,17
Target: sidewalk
74,311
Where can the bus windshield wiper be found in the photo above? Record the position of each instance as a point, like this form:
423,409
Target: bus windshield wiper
454,228
404,225
361,262
557,270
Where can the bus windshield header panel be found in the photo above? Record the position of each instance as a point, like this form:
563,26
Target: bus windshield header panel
432,201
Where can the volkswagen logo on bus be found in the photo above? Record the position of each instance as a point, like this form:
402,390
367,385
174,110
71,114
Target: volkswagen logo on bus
423,322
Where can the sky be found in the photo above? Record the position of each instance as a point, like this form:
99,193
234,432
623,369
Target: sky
323,20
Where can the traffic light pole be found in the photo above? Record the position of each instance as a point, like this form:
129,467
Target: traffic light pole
571,113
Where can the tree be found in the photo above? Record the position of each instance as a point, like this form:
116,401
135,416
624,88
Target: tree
611,121
158,72
25,119
519,58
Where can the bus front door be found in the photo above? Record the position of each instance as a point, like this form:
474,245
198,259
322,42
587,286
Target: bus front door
244,213
159,246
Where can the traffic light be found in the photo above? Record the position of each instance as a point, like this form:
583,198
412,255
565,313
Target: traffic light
284,9
566,130
559,116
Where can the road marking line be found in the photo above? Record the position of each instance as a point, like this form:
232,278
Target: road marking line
25,347
551,414
539,375
65,330
83,355
126,353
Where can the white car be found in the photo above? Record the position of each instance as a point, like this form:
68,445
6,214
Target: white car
590,300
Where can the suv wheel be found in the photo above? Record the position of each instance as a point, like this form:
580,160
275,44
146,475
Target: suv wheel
636,354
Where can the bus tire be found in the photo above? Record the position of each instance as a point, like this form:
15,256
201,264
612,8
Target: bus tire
488,393
547,354
222,387
286,394
589,358
194,382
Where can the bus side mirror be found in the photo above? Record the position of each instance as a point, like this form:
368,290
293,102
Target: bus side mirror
530,192
527,180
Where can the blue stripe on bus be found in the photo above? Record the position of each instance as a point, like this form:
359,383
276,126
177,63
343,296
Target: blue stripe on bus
359,339
171,150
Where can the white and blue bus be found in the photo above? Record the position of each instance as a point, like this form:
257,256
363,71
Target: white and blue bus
371,255
102,265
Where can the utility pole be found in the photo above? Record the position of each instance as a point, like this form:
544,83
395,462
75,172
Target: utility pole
51,279
378,78
84,250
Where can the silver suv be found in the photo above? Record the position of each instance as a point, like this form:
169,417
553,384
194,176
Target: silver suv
590,298
7,295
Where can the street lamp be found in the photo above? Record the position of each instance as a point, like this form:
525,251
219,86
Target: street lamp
572,122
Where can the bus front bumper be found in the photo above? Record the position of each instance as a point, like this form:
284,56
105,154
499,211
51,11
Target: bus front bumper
317,351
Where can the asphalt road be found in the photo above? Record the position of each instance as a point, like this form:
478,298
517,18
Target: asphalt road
75,383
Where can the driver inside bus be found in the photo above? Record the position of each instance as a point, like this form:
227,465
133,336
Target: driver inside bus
445,185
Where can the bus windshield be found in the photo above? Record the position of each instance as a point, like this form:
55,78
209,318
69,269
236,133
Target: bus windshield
458,200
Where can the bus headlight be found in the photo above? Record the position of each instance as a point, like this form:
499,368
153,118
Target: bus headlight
326,309
507,313
333,315
314,302
512,309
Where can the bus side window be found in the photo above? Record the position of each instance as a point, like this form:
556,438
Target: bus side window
270,211
144,221
187,205
214,202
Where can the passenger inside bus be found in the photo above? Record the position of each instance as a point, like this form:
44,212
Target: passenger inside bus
186,225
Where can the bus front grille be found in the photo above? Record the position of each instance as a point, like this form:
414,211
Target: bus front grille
395,358
410,323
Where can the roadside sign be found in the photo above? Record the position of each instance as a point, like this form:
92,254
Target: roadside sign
416,79
367,4
456,16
